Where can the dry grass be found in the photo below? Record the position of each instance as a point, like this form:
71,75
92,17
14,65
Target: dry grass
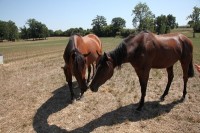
34,98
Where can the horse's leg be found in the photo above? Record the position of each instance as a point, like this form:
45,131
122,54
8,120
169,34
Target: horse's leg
69,80
71,89
170,78
185,68
92,71
89,71
143,79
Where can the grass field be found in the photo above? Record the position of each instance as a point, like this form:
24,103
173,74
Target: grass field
34,96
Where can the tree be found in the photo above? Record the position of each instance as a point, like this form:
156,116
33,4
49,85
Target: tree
58,33
24,33
161,24
98,23
32,23
195,20
127,32
51,33
73,31
12,31
3,30
8,31
143,16
171,21
117,25
36,29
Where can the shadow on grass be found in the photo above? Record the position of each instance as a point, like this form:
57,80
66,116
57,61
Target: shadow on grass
61,99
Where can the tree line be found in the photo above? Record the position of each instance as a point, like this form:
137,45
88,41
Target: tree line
143,19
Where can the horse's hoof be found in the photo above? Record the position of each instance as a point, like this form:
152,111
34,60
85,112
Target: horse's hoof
182,99
72,100
162,98
79,98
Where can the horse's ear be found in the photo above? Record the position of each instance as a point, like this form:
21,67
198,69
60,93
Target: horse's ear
85,55
105,56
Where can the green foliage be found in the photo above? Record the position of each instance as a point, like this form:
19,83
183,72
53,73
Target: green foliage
143,16
126,32
98,24
8,30
51,33
100,27
35,30
58,33
195,20
117,24
73,31
171,21
164,24
3,30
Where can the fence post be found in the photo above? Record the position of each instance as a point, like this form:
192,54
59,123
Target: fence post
1,59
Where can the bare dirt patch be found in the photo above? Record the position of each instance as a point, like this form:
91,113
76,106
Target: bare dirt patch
34,98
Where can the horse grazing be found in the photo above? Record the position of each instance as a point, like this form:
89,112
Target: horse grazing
79,54
145,51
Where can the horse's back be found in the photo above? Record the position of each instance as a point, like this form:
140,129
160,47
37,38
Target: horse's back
89,44
93,42
174,47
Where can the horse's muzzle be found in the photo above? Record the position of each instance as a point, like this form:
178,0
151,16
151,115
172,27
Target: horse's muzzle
94,88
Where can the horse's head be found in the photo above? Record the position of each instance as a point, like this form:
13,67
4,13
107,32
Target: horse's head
78,68
104,72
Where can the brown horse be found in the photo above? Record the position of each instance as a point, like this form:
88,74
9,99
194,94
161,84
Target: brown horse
79,54
145,51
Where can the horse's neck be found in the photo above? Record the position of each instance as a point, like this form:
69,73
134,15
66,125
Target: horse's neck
79,44
119,55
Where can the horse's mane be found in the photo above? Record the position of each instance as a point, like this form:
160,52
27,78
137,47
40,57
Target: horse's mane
119,54
78,61
68,49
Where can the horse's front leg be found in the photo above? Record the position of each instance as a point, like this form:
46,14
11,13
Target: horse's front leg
143,75
71,90
69,81
89,71
170,78
93,69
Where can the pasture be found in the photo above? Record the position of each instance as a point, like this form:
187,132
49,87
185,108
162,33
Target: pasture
34,96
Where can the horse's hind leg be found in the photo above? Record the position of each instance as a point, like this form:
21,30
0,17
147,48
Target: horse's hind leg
185,68
170,78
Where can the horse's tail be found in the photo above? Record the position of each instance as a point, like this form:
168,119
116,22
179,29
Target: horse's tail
189,45
191,70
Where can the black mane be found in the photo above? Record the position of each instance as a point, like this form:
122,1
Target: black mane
70,46
119,54
79,61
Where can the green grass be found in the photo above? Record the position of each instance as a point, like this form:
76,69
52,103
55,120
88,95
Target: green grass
26,49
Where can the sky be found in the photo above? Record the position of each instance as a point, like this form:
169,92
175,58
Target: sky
65,14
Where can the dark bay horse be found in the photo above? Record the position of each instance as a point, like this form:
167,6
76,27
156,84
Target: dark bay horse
79,54
145,51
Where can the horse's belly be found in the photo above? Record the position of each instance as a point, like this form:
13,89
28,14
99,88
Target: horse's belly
163,63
